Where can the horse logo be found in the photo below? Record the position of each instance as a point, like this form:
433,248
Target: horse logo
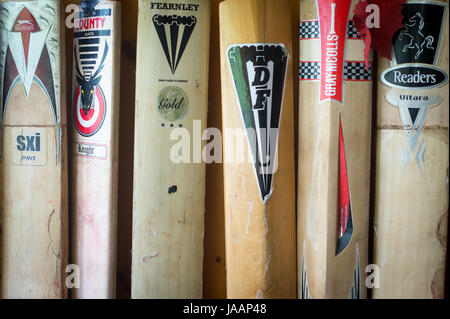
416,49
417,40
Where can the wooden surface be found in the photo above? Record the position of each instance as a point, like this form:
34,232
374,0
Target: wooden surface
328,275
214,255
169,198
126,142
33,218
94,182
411,206
214,243
126,137
214,273
260,238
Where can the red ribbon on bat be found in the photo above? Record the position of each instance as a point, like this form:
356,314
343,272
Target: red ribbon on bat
390,21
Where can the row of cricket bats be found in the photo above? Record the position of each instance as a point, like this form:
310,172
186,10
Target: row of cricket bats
44,142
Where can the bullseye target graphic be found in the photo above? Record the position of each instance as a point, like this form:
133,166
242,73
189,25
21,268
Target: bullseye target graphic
89,120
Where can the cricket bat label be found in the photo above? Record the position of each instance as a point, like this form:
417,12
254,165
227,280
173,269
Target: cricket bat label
92,36
174,32
332,29
26,60
90,150
333,20
259,72
414,75
173,104
29,146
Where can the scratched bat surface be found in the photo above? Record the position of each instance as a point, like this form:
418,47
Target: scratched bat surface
257,113
169,190
335,100
94,147
411,192
33,178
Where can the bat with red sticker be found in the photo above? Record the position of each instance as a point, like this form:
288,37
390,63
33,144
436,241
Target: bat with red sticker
33,174
335,98
94,146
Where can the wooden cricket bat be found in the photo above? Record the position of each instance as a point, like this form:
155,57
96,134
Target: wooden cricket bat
335,101
33,214
257,107
94,147
169,179
411,194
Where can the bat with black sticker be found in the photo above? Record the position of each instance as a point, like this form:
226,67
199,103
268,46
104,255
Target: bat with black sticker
411,190
33,174
169,174
335,100
94,147
257,113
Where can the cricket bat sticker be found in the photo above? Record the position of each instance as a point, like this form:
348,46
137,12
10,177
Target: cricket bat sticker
259,73
414,74
93,81
174,33
28,56
333,28
332,67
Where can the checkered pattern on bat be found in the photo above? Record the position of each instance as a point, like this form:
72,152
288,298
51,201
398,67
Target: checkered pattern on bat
311,30
356,71
352,32
353,71
309,70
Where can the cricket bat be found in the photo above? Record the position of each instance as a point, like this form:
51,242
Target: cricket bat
411,192
169,173
258,135
94,147
33,178
335,101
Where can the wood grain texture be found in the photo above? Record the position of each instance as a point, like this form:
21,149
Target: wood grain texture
260,238
322,272
33,219
214,274
126,141
94,179
411,198
168,213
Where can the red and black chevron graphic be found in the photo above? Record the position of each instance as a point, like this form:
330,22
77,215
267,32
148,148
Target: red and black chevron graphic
30,59
345,223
